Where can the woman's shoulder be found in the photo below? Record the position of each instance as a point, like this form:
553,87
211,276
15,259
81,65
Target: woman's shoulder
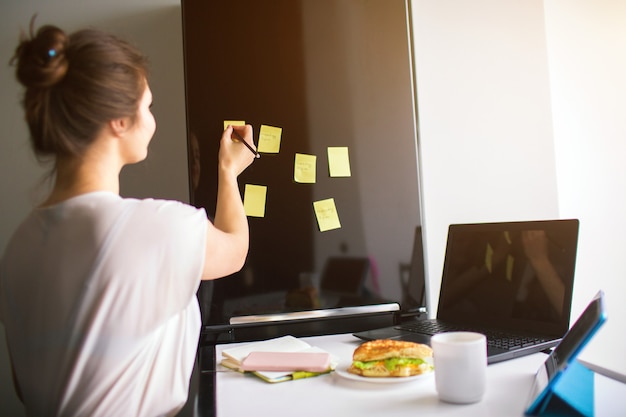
166,213
105,198
109,207
161,205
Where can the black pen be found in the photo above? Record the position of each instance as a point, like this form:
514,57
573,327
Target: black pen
240,139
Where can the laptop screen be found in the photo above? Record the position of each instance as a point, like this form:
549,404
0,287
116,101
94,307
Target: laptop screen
510,275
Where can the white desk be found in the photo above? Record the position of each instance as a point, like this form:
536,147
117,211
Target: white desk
508,384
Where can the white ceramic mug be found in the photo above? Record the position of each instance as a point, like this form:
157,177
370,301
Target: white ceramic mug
460,360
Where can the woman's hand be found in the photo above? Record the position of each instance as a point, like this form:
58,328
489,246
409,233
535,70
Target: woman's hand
234,157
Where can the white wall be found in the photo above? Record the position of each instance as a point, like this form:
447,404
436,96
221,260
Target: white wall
587,60
155,26
522,116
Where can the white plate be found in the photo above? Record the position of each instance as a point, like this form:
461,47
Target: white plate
342,372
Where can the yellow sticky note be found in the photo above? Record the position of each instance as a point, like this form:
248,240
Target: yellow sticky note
254,200
326,213
269,139
338,161
234,123
304,168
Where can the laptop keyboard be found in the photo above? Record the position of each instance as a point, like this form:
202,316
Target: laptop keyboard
498,339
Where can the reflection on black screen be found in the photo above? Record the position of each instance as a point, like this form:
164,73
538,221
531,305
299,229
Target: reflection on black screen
588,322
511,273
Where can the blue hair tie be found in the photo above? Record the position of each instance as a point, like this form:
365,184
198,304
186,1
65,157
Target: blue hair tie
52,53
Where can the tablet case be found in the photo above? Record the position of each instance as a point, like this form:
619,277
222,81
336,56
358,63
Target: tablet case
572,394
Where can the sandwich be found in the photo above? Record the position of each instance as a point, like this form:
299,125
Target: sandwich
391,358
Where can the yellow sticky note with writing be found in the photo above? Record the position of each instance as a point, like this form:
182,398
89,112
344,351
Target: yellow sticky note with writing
326,213
269,139
234,123
254,200
304,168
338,161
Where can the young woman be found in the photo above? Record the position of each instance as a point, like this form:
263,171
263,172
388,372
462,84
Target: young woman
97,292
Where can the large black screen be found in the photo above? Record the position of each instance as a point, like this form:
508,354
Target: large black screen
329,74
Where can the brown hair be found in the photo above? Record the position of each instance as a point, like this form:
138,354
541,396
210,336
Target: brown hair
74,85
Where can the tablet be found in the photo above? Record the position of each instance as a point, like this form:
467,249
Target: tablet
565,353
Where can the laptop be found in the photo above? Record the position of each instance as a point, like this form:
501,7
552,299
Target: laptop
512,281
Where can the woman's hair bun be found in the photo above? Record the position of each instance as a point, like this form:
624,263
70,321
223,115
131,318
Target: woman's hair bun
41,59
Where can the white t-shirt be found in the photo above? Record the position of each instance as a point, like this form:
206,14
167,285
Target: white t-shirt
97,295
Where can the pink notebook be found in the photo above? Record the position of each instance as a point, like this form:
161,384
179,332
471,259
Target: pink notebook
286,361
